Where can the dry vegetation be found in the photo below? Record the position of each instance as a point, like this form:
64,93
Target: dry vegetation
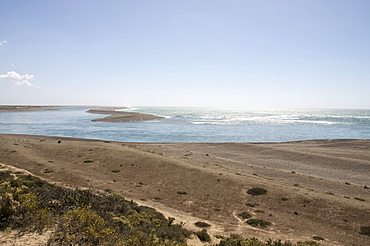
87,217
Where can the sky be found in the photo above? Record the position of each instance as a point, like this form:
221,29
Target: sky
191,53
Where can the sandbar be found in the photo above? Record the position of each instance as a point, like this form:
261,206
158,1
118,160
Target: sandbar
121,116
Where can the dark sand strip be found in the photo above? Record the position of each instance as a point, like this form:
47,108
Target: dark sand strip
16,108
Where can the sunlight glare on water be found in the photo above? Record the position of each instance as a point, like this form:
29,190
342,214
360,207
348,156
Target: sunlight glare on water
195,125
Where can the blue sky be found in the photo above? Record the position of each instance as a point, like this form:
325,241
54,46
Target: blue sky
250,53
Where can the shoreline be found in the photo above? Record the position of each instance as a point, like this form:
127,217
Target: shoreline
215,179
113,115
22,108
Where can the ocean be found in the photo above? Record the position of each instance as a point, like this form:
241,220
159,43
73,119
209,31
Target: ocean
211,125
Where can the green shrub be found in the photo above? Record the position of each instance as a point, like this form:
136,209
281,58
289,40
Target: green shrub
203,236
359,199
88,161
239,241
245,215
365,230
9,203
182,193
257,191
202,224
258,222
235,240
252,205
82,217
82,226
317,238
115,171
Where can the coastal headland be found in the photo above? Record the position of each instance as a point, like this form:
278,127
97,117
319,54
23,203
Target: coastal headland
315,190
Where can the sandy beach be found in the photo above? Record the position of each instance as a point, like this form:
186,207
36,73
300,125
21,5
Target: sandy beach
314,188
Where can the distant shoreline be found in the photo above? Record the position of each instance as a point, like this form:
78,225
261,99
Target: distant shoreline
16,108
113,115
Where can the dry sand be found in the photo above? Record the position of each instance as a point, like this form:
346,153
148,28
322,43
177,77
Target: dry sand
319,181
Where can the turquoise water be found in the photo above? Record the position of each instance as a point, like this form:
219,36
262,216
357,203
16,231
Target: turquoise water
195,125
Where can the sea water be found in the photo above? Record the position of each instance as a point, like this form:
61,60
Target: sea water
195,125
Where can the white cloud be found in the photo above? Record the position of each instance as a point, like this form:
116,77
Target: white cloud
3,42
23,83
15,75
18,79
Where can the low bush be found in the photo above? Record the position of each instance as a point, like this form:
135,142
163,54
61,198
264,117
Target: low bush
245,215
202,224
317,238
182,193
365,230
258,222
235,240
252,205
203,236
257,191
82,217
359,199
48,171
83,226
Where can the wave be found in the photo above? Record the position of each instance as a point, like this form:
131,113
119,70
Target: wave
126,109
264,121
